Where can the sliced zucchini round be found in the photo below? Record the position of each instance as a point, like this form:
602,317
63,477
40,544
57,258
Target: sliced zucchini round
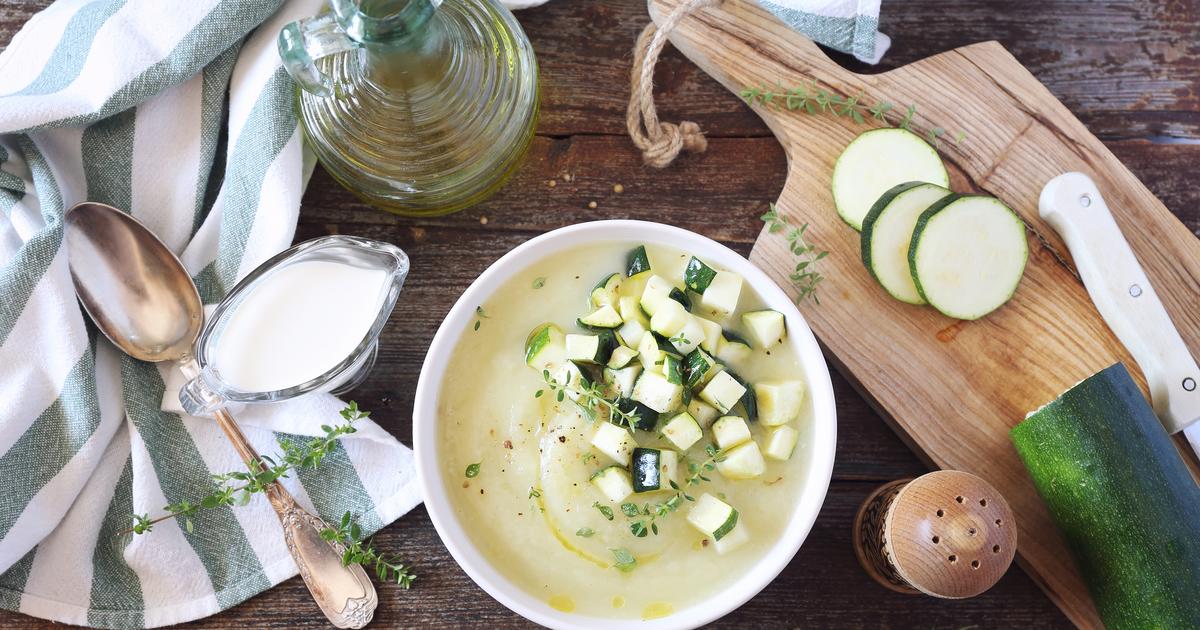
877,160
967,255
887,233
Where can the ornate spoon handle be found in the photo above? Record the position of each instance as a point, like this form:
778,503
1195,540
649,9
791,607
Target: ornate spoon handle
344,593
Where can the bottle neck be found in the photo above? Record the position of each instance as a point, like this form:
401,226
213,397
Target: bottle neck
390,23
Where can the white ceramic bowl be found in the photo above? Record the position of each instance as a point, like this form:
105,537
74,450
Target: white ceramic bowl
425,421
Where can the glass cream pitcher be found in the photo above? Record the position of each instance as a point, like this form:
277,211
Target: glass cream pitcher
420,107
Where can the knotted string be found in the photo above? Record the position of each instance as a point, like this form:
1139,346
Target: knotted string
660,142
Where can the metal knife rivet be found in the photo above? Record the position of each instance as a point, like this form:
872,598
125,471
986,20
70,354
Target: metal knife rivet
1189,384
1085,200
1135,290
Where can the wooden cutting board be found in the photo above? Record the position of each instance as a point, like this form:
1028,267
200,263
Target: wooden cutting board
953,389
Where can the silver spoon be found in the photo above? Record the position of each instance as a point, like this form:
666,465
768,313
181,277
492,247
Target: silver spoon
144,301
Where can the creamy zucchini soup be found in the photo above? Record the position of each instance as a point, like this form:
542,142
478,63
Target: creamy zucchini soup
624,433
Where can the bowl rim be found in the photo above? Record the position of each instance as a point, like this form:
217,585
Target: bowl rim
429,385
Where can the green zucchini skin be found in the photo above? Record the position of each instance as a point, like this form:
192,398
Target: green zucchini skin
1123,499
868,224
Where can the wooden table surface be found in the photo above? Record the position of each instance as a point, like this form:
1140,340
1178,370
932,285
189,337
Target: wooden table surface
1130,69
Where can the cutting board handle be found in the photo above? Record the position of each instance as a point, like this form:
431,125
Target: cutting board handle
743,45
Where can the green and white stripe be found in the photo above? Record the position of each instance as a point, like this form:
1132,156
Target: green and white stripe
179,113
849,26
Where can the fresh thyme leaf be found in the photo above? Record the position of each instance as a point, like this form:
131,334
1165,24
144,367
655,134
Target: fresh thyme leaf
473,469
479,316
539,282
814,99
630,510
388,568
624,560
604,509
638,528
589,400
805,279
908,116
584,532
238,487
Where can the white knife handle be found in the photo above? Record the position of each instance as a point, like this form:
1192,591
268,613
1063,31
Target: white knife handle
1122,293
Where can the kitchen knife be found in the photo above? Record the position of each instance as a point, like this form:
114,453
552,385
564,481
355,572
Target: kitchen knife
1072,204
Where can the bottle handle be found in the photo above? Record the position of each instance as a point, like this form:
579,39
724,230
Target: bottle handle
302,42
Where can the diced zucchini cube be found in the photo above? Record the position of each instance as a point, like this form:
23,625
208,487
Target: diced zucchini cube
744,461
712,516
697,275
668,464
631,312
649,354
669,318
703,412
683,431
779,402
766,328
620,382
637,261
722,392
584,348
700,368
712,335
689,337
656,392
721,296
737,537
606,291
545,348
614,482
571,379
637,414
781,442
614,441
604,317
645,470
729,431
672,368
621,357
658,289
732,351
631,332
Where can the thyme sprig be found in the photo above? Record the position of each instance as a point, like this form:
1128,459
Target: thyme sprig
237,487
804,276
388,568
812,98
590,399
661,509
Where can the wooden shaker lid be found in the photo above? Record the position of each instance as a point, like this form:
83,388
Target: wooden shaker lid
950,534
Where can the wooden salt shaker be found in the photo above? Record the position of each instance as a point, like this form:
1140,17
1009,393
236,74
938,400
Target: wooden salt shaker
946,534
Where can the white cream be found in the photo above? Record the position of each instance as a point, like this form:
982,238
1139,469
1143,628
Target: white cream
297,323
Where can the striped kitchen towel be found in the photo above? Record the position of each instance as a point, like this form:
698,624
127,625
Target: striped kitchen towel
850,26
180,113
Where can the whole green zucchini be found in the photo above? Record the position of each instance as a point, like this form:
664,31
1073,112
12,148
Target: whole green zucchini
1123,498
